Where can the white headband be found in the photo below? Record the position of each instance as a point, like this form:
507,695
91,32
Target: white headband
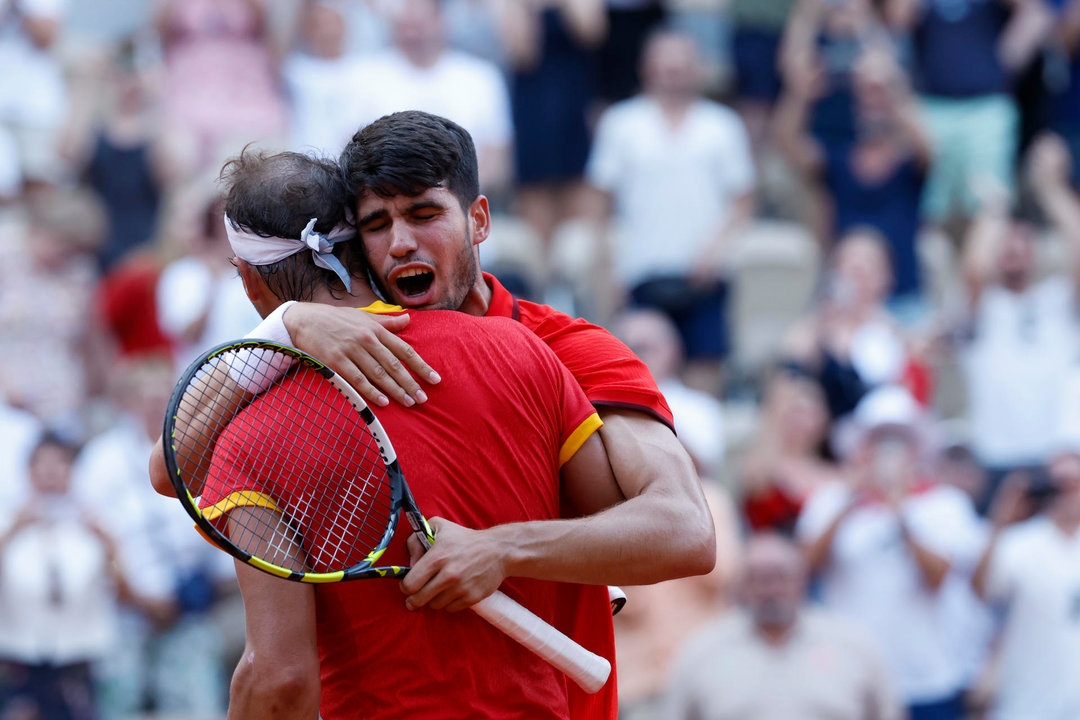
259,250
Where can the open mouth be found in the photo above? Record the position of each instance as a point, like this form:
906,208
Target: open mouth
414,283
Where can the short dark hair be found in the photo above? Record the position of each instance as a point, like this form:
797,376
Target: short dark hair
406,153
276,196
55,439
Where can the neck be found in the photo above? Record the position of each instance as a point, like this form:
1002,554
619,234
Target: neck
361,296
478,300
775,635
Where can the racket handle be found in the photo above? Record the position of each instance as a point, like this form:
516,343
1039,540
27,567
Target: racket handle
588,670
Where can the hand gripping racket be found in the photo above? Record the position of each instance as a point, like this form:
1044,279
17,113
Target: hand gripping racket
281,463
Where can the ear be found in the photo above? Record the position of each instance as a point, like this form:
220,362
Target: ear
257,291
480,219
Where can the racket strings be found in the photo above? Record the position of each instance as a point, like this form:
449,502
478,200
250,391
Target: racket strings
296,470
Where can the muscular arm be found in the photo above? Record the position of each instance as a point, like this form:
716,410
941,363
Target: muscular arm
662,530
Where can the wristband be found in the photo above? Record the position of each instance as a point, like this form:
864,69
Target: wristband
273,326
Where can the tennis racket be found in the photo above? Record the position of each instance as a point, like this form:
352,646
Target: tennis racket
281,463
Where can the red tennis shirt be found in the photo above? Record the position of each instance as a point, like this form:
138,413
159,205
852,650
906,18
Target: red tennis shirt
484,450
612,376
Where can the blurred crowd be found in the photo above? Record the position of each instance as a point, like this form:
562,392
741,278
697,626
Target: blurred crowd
843,234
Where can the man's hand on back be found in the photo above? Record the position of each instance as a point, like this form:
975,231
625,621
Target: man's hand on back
362,348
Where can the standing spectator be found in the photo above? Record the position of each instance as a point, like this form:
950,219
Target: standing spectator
33,98
49,365
966,53
321,79
58,594
874,176
883,547
551,45
116,152
420,73
1023,330
676,172
1032,570
786,460
220,83
776,659
699,416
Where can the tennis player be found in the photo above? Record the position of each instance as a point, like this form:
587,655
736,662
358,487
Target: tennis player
413,179
486,451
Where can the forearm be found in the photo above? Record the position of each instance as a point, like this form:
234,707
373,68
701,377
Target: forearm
1029,25
789,130
818,551
982,570
932,566
638,542
723,236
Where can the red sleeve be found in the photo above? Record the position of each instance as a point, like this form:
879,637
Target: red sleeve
228,485
608,371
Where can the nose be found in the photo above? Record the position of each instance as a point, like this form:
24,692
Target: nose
402,242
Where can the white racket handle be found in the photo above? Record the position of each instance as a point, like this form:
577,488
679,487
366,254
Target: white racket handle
588,670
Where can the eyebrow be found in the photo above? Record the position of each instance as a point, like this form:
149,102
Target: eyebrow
381,214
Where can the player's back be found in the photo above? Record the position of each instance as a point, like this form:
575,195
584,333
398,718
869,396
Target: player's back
484,450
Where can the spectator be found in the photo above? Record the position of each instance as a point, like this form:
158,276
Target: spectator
884,544
33,98
874,176
777,659
50,361
1031,569
699,417
169,642
1023,330
200,298
851,342
58,593
552,44
322,81
966,54
116,151
420,73
220,85
676,172
786,460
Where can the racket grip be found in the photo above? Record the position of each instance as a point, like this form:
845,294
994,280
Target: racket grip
588,670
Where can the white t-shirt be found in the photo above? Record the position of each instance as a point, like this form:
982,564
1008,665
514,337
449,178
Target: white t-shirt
1035,569
871,577
32,92
56,599
672,186
1024,345
320,93
465,89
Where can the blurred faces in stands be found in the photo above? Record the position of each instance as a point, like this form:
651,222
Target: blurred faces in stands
671,67
774,583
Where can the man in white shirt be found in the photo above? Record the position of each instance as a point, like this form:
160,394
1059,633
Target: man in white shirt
676,173
1024,329
1031,569
776,659
420,73
884,546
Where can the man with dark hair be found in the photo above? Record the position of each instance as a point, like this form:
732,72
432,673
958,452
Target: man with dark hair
412,175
